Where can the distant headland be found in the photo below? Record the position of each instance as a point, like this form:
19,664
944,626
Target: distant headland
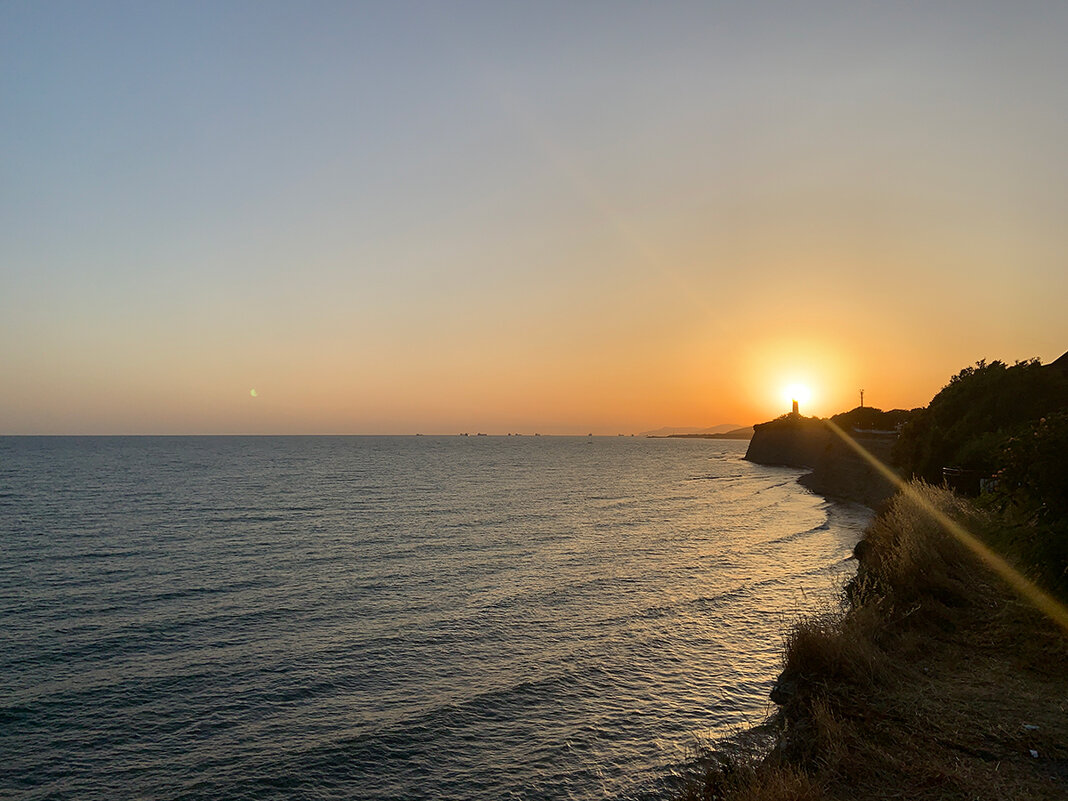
722,431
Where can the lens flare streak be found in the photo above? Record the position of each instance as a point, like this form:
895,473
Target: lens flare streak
1026,589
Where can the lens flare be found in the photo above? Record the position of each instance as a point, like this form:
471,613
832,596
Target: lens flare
1041,600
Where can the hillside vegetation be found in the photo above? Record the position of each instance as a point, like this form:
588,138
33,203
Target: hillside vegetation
973,419
1006,425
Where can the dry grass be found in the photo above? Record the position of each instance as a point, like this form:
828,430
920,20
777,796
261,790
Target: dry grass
910,559
936,683
741,782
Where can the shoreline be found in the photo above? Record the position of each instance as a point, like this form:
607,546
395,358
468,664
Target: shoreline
871,701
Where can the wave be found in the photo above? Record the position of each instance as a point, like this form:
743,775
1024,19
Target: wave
797,535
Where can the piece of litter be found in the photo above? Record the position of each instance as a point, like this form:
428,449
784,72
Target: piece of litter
1034,753
1030,727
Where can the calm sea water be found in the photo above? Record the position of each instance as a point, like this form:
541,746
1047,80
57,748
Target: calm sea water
394,617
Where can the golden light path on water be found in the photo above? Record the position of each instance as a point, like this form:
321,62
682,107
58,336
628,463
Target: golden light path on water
1026,589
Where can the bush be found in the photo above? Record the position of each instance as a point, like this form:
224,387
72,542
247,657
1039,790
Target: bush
1031,493
969,421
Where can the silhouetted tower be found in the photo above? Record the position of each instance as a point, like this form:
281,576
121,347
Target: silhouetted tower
795,408
862,399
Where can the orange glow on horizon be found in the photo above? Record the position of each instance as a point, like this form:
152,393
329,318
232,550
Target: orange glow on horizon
813,371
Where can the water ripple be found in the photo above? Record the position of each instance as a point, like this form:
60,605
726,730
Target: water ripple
383,618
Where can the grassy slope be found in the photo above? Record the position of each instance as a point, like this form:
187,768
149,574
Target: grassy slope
935,682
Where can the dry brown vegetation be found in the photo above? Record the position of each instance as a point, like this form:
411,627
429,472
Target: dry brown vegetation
934,682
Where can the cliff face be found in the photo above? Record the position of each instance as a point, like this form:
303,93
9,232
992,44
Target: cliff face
837,471
790,441
841,473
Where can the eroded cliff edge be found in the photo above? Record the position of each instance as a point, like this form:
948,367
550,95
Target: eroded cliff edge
837,470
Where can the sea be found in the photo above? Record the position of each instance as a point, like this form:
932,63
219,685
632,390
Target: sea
465,618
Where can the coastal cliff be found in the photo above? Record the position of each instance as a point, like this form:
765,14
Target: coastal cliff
939,677
791,440
837,470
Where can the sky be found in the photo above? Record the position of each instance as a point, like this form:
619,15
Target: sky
555,217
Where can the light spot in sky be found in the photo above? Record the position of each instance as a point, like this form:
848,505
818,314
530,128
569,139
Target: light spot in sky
797,392
253,393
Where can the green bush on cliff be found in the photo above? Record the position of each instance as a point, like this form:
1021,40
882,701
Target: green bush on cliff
1031,493
1009,423
969,422
1034,472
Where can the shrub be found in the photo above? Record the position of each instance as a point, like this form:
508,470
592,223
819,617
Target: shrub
968,421
1031,493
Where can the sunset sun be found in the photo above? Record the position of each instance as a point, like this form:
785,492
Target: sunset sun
796,392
